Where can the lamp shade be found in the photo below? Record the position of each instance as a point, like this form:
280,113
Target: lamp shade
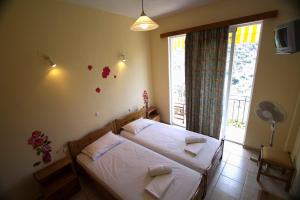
144,23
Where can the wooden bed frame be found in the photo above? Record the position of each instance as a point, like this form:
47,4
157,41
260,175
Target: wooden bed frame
119,123
75,147
209,172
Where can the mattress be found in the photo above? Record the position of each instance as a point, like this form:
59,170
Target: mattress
170,142
124,172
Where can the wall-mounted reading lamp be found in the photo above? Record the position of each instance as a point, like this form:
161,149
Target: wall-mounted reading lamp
122,58
49,60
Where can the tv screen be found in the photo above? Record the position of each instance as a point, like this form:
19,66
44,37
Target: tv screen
282,38
287,37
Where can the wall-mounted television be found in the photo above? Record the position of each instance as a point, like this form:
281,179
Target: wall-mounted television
287,37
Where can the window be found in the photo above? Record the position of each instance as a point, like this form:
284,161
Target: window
177,80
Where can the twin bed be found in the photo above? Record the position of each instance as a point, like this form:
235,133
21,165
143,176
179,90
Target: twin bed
170,141
121,172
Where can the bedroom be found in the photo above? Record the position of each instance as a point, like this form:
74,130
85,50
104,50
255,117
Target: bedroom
70,100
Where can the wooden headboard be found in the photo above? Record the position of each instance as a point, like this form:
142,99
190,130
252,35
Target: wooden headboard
76,146
127,119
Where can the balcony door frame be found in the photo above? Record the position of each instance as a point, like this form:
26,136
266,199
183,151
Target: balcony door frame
228,80
171,113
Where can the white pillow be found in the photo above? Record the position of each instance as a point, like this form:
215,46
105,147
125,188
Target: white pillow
102,145
137,125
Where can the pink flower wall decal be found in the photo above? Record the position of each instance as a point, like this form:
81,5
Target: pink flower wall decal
46,148
145,97
146,100
47,157
98,90
41,145
38,142
105,72
36,134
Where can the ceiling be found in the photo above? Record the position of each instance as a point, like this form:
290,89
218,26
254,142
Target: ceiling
132,8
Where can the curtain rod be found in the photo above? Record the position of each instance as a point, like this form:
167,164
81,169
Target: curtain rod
239,20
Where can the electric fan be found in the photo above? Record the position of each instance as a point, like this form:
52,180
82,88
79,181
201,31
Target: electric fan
271,113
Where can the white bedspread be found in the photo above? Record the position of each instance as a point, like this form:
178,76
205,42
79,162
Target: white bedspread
170,142
124,171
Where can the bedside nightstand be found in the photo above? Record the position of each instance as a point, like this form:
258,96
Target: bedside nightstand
156,118
153,114
58,180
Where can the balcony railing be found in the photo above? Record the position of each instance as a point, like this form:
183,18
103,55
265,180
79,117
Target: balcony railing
238,107
237,110
179,114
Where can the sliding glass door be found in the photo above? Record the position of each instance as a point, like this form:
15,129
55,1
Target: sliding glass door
243,44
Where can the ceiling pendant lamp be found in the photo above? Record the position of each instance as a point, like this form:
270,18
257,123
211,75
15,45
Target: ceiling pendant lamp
144,23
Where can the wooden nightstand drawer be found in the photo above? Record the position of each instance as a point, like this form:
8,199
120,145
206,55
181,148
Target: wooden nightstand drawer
156,118
46,173
58,180
152,113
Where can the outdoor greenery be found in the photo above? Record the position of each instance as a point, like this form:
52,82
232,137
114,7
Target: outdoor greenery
236,123
241,83
243,69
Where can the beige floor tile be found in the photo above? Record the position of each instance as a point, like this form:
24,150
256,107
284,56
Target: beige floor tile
252,167
234,173
249,193
243,153
238,161
251,182
233,146
226,155
221,195
229,186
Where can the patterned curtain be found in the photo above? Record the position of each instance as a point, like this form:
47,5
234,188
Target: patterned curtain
205,62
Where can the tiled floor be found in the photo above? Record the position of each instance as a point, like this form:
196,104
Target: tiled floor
235,178
235,134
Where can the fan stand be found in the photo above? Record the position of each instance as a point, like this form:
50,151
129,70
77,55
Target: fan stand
273,132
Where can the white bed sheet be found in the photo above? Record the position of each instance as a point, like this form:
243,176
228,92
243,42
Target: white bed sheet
170,142
124,171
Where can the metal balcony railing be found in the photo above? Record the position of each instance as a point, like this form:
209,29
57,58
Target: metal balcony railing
238,107
179,113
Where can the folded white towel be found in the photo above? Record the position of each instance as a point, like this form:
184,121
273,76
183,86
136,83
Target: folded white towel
194,139
194,149
159,185
157,170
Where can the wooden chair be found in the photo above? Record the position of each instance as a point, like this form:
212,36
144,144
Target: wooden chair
279,159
